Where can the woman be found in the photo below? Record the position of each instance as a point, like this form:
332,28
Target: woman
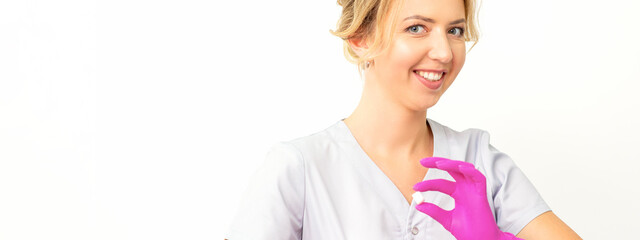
355,179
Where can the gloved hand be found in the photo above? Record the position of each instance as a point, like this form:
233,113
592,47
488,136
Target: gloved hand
471,218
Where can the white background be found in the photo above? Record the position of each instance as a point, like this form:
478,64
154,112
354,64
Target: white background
145,119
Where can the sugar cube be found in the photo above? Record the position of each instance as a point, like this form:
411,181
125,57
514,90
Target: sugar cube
417,197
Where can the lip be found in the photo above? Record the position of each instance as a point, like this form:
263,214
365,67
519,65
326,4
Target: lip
431,70
429,84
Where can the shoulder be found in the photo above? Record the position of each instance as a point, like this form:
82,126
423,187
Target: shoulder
464,136
468,145
316,144
473,145
313,140
320,138
289,158
511,195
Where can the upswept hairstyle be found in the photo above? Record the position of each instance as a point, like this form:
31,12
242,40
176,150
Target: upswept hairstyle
367,18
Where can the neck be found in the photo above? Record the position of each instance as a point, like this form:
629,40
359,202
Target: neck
389,130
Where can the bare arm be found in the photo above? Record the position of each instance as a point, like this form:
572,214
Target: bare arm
547,226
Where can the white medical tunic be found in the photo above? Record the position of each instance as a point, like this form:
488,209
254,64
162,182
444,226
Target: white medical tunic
324,186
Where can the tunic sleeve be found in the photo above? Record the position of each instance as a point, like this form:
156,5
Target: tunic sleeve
516,201
273,204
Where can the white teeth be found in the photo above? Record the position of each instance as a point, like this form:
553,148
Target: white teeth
431,76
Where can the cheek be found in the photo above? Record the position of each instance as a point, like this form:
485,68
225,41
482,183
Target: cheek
403,55
459,56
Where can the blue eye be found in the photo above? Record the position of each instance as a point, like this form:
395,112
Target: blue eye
415,28
459,33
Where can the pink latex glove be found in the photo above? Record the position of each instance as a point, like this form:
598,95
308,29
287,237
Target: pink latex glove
471,218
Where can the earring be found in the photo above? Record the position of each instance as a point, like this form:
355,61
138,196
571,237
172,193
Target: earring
367,63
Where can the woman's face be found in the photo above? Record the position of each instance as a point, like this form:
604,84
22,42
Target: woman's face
428,40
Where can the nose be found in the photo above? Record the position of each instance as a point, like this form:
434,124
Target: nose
440,48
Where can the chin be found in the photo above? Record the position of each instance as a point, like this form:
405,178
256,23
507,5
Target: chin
428,103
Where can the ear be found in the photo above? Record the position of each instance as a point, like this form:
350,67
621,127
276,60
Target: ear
359,45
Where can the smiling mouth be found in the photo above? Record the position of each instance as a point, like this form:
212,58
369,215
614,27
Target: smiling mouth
430,76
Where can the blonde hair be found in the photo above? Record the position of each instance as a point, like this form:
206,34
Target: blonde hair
363,19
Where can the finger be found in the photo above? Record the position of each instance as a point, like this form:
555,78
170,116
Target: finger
440,185
430,162
433,162
478,179
452,167
472,173
437,213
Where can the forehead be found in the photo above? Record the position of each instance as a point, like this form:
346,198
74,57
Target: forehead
439,10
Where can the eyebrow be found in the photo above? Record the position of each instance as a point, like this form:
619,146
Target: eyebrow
426,19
